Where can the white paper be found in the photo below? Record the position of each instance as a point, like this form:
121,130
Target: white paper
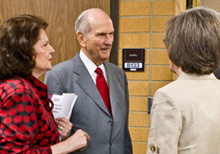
63,104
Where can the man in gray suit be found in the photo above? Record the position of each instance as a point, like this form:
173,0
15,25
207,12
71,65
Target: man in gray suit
108,129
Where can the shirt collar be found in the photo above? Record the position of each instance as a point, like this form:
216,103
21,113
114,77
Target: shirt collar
91,67
189,76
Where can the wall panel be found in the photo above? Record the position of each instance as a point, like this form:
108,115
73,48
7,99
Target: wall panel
61,16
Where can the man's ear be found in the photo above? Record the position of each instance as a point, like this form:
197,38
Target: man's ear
81,39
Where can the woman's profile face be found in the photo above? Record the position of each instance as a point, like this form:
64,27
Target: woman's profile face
43,51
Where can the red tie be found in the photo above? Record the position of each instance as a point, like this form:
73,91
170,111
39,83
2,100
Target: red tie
103,88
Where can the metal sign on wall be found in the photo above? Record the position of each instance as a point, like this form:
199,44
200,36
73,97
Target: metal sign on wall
133,59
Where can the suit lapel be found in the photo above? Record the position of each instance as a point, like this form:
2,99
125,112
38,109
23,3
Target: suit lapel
86,83
112,83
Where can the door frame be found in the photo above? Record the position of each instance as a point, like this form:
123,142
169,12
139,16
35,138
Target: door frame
114,9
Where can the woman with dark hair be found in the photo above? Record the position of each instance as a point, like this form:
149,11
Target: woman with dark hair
26,120
185,116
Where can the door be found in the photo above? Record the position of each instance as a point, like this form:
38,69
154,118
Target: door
61,16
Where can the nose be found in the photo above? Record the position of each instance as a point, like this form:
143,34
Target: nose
52,49
109,39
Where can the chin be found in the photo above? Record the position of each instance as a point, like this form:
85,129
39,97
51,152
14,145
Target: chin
49,69
106,56
104,59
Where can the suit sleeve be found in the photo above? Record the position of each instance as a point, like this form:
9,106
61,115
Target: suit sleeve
53,82
165,125
127,138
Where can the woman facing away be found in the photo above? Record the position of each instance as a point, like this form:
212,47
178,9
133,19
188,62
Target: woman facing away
185,116
26,121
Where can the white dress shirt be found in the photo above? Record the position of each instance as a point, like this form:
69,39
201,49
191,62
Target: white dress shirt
91,67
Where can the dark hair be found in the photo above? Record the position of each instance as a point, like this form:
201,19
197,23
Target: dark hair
193,40
18,35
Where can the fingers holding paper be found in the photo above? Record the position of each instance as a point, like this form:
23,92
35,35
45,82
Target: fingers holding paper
64,127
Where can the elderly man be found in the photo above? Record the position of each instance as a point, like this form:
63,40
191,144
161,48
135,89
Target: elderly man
102,105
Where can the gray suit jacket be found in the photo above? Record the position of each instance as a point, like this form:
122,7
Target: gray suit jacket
109,135
185,117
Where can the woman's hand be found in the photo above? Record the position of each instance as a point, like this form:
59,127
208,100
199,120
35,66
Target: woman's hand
64,127
78,141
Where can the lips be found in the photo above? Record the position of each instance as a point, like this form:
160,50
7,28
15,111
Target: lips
106,48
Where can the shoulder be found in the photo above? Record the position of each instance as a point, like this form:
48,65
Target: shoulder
63,72
115,73
67,65
16,82
169,93
170,88
60,70
63,65
113,68
14,86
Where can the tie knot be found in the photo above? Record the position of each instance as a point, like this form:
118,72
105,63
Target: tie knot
98,70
